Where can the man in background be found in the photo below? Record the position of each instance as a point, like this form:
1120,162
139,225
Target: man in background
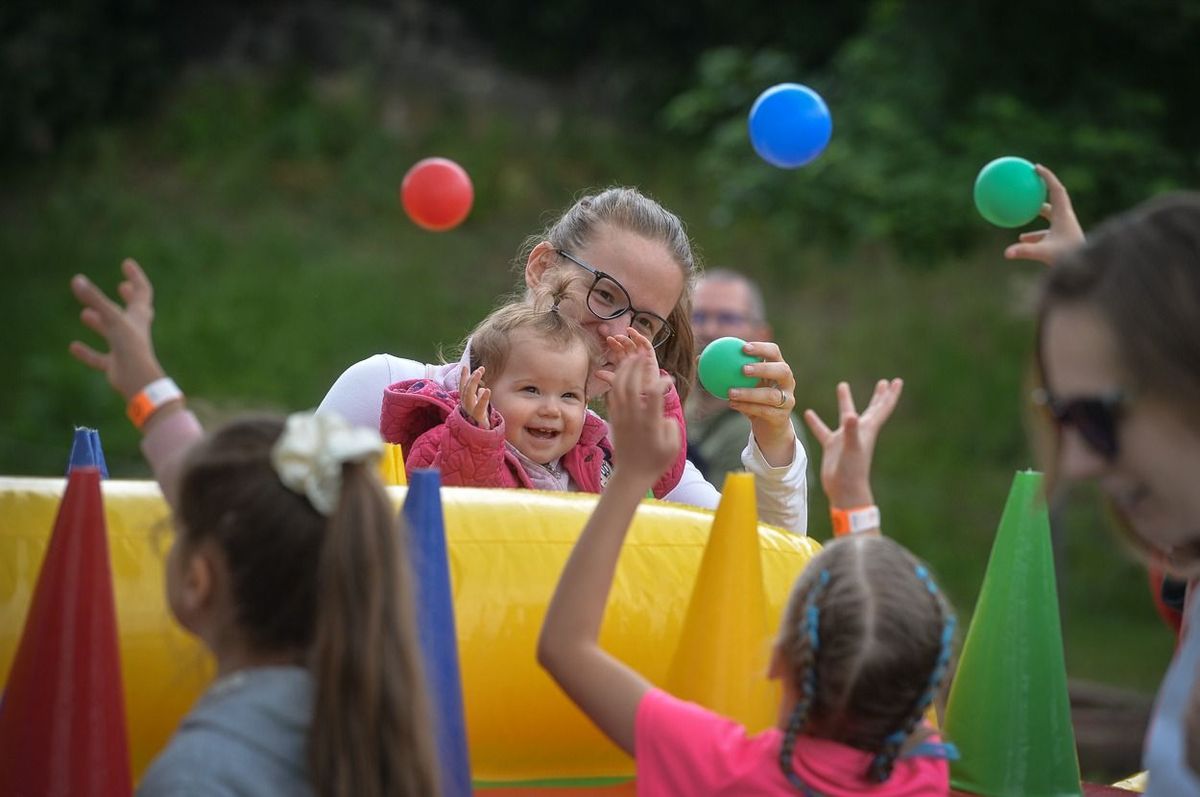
726,304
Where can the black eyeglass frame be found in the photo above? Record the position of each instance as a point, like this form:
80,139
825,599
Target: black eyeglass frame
665,331
1095,418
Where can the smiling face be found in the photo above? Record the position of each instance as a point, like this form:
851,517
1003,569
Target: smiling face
1155,475
542,395
644,267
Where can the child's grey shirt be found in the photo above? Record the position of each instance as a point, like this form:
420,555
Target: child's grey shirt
247,736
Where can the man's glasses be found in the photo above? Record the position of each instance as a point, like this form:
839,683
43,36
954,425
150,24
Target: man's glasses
722,318
1094,417
607,299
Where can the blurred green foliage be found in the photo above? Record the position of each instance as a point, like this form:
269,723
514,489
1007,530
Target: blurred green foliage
264,209
69,64
925,94
262,201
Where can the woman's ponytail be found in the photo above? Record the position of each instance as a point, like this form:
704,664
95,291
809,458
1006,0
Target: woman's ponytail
370,732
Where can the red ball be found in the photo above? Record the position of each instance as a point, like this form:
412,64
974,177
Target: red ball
437,194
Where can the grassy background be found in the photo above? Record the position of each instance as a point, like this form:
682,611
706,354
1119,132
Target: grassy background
265,211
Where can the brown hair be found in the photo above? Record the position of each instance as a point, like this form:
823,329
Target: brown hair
336,591
491,341
866,642
1141,272
630,210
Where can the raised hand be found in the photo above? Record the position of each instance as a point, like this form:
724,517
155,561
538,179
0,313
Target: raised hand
474,397
847,451
621,348
1064,233
645,443
130,363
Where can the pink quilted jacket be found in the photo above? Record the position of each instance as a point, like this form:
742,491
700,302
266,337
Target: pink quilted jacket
424,419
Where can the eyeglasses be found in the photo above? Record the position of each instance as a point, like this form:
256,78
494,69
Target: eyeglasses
607,299
724,318
1094,417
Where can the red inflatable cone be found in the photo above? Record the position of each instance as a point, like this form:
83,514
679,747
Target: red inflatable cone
62,721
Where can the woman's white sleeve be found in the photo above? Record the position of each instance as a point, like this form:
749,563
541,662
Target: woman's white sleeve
781,493
357,395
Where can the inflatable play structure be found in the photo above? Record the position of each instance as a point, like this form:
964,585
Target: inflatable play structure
696,602
505,551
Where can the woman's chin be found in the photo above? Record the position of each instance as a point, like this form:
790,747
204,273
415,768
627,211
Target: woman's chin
1177,542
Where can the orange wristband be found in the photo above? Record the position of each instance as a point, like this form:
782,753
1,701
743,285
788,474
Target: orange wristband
852,521
150,398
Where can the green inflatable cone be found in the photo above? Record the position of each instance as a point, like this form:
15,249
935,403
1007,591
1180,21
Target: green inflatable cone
1009,713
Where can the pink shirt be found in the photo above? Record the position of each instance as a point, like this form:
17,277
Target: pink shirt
684,749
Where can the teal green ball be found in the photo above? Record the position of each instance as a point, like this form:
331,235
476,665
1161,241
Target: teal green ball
1009,192
721,367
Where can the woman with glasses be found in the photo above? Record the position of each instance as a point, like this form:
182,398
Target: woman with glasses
638,271
1119,359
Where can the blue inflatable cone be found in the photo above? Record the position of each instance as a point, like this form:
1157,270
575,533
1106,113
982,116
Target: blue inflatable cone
436,628
86,452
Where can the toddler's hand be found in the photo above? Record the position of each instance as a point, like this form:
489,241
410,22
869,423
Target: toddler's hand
474,397
130,364
645,443
621,348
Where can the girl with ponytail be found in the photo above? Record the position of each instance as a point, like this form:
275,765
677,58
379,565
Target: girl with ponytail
863,652
288,562
520,416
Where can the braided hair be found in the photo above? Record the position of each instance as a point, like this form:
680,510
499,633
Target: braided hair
866,643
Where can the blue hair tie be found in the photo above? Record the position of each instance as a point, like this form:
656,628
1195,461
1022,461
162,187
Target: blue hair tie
812,613
813,617
946,640
926,579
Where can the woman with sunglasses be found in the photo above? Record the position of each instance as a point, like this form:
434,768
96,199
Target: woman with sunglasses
1048,246
1119,359
638,271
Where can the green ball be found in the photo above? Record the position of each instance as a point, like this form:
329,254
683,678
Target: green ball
721,366
1009,192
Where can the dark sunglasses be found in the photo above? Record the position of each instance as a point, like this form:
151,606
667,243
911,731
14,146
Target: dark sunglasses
1094,417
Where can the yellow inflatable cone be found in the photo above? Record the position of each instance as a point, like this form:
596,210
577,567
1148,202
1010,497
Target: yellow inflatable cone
724,648
391,466
1009,713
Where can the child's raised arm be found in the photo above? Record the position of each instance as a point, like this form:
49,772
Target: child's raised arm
847,451
131,365
645,444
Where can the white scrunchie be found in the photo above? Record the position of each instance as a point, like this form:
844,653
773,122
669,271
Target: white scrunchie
311,451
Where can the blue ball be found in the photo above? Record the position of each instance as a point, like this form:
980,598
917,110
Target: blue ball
790,125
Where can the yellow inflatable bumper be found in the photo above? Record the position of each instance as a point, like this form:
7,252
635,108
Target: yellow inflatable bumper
507,548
